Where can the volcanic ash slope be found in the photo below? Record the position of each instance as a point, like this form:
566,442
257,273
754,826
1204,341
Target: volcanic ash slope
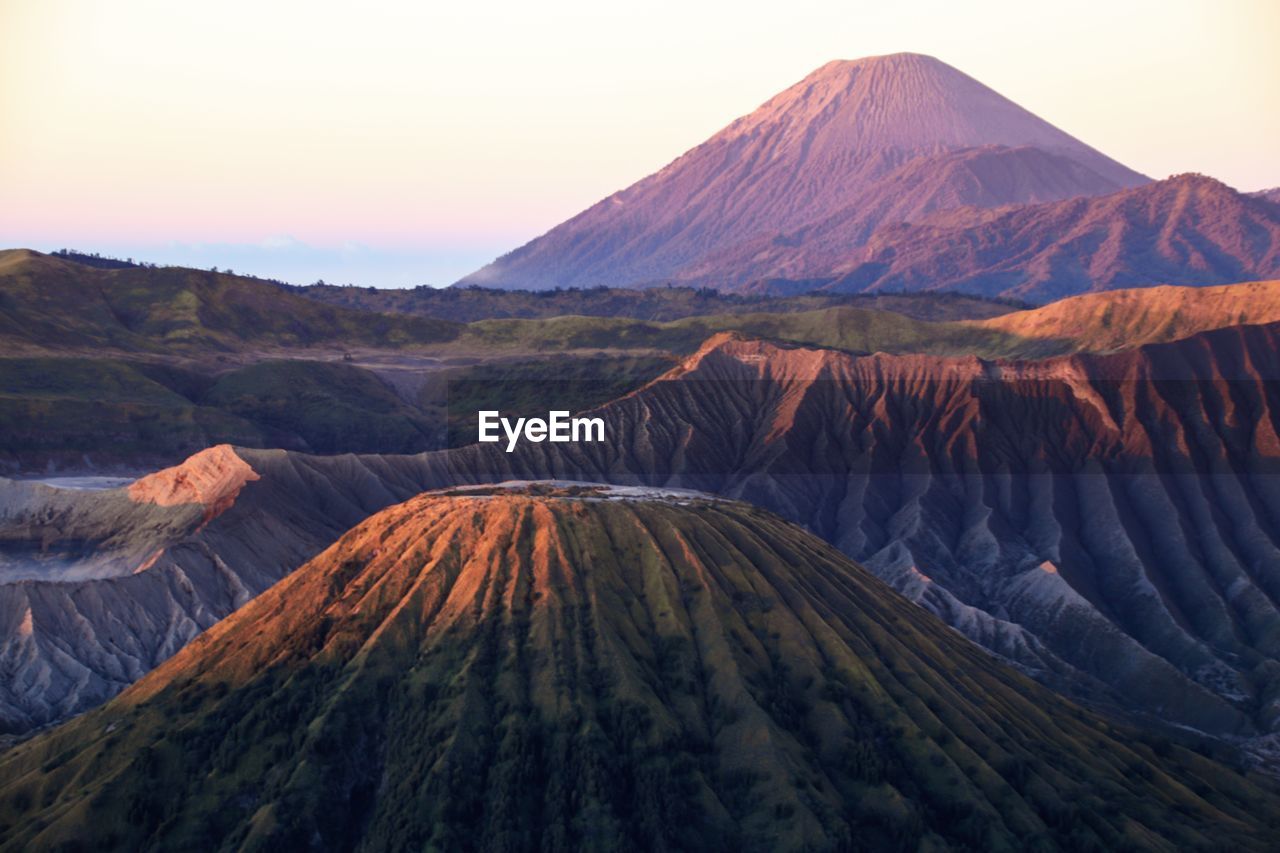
559,668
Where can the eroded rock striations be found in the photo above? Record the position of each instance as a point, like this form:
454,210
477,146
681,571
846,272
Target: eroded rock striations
560,668
1109,523
98,588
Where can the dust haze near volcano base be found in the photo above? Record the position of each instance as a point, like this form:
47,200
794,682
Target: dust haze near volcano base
556,669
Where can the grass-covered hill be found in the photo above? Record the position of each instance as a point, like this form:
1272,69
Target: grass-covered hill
568,669
49,302
128,365
842,327
468,304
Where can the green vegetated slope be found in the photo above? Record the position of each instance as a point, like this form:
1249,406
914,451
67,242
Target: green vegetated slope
846,328
200,358
72,410
562,669
468,304
80,409
53,303
61,407
330,406
531,386
133,365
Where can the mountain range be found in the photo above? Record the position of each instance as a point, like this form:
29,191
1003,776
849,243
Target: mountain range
900,173
1187,230
593,667
938,508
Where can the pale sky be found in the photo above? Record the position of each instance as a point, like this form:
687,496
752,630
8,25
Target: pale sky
405,143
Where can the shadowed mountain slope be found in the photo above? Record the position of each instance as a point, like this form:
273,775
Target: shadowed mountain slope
986,177
1187,230
584,669
837,138
98,588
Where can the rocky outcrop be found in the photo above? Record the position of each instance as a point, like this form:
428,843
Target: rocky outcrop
212,478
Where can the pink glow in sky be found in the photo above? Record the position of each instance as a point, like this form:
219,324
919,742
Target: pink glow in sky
397,143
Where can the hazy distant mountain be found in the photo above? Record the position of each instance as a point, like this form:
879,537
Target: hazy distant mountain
1188,230
986,177
565,669
853,144
1272,194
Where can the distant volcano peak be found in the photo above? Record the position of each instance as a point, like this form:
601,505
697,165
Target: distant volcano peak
821,147
907,102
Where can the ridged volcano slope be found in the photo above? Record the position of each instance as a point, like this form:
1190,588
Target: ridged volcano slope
575,668
836,152
1111,522
98,588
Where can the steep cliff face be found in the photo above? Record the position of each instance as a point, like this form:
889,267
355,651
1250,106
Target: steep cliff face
574,667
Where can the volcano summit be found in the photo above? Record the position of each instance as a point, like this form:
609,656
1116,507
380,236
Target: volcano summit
881,139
